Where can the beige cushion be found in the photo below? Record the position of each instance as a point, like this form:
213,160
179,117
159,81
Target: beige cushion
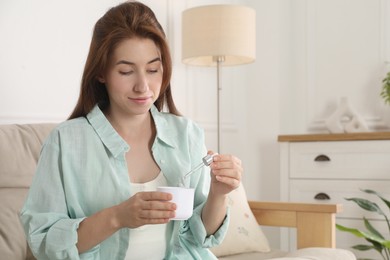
311,253
317,253
244,233
274,253
13,243
19,152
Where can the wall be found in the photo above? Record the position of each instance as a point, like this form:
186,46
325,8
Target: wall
337,48
43,48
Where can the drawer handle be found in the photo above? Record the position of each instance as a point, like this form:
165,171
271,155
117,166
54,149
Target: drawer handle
322,158
322,196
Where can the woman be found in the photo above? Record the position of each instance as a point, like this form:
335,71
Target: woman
94,193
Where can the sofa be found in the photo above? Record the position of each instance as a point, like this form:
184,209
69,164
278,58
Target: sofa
19,151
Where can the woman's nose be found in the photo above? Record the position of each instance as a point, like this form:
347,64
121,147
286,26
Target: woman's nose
141,84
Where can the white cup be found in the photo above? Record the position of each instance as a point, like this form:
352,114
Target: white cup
184,200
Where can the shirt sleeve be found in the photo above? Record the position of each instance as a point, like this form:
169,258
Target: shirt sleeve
200,234
50,232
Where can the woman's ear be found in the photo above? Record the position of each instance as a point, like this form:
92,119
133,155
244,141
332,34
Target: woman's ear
101,79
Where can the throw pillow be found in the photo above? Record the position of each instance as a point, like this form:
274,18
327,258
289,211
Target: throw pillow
244,233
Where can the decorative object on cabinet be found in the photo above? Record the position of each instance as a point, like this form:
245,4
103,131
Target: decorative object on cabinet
372,235
326,168
345,119
216,35
385,93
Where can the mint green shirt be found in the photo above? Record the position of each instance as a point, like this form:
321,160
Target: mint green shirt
82,170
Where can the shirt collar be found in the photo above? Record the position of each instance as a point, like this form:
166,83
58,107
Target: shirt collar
166,132
115,143
107,134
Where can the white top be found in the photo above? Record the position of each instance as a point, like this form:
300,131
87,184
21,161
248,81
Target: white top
149,241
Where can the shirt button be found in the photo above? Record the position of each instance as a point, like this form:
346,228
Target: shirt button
162,161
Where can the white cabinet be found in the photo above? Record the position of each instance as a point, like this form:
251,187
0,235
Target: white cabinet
328,168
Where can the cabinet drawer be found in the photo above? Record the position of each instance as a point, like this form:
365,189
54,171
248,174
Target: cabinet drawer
340,160
306,191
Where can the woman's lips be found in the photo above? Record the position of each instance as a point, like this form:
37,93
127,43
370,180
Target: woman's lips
140,100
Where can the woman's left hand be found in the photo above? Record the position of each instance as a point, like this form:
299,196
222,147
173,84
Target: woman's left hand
226,172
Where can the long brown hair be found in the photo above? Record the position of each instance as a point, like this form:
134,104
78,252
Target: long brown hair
124,21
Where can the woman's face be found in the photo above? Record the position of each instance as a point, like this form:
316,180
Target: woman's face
134,76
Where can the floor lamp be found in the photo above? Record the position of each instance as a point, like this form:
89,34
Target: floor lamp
216,35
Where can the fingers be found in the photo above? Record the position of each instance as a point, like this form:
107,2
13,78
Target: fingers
210,152
155,196
155,200
150,208
233,182
228,164
152,215
227,169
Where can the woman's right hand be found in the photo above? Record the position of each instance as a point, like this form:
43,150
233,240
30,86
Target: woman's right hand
146,208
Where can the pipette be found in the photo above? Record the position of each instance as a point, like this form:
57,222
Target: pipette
206,161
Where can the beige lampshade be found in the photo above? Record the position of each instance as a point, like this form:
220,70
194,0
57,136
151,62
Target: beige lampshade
227,31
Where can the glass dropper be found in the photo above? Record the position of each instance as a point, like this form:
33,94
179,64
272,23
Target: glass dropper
206,161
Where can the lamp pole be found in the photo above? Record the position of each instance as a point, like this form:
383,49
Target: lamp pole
219,60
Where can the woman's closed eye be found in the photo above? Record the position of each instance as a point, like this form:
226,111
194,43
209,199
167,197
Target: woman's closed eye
126,72
151,71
